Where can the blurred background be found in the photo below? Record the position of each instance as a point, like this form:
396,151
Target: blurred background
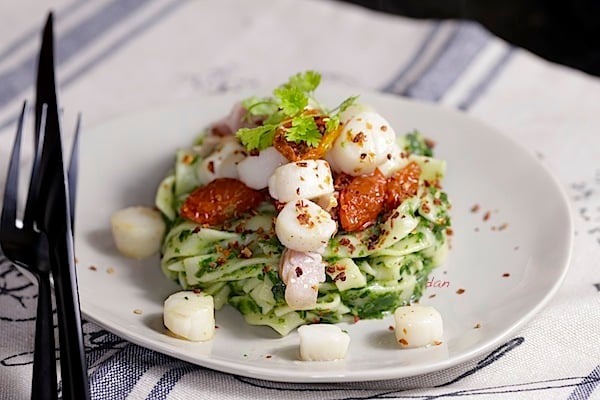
566,32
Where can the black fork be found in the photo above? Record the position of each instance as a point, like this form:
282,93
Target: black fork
27,247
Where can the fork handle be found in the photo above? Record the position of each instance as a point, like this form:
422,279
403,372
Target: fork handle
72,350
44,385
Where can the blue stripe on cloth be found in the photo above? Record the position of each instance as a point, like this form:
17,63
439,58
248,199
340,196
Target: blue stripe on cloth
125,38
116,377
13,82
118,44
455,57
33,34
584,389
168,381
486,81
435,27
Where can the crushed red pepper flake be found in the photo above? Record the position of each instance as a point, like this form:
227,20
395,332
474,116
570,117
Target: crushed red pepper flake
403,342
431,296
477,326
486,216
93,268
391,328
475,208
460,291
505,275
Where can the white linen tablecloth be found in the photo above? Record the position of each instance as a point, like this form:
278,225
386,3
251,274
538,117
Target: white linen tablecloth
119,56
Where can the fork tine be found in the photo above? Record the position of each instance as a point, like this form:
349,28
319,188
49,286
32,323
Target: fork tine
34,180
9,208
72,172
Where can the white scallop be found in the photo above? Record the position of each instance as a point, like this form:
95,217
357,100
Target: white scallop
304,226
418,326
222,162
255,171
323,342
364,143
138,231
306,179
190,315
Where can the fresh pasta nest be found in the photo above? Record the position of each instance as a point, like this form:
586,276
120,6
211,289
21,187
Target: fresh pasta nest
253,239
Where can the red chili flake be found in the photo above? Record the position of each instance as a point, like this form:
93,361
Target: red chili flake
356,318
449,231
197,290
505,275
268,356
475,208
431,296
330,269
403,342
267,268
211,167
426,208
93,268
196,229
486,216
391,327
477,326
363,156
359,138
340,277
383,128
437,202
298,271
302,164
216,326
460,291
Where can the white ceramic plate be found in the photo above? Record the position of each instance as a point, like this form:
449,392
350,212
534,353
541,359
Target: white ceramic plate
508,265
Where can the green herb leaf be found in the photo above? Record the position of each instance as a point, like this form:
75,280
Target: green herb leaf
259,138
332,123
304,129
292,100
347,103
305,81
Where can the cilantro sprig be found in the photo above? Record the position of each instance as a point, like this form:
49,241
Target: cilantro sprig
286,110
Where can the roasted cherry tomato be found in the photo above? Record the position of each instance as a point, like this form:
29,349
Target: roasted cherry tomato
402,185
361,200
222,199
